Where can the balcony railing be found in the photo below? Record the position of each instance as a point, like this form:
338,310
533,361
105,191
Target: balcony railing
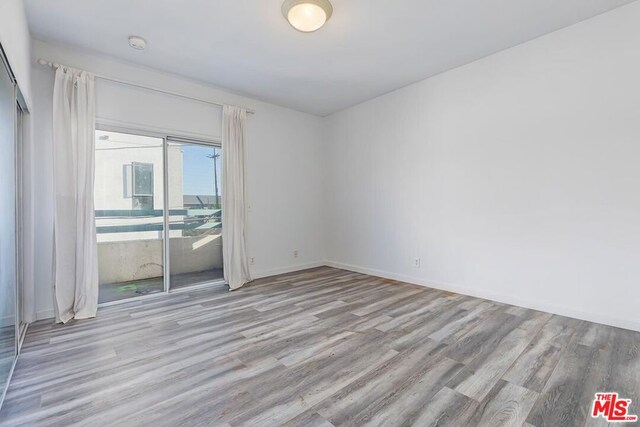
192,219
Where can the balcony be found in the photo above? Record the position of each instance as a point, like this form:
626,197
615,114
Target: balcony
131,250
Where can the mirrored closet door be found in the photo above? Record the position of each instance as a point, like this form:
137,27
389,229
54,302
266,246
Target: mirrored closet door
8,229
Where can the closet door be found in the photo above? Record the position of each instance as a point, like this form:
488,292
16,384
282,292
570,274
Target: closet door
8,266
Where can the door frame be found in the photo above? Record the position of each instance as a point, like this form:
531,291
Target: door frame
132,129
19,110
183,140
21,324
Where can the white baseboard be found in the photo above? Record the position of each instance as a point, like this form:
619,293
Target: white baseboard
603,318
49,314
288,269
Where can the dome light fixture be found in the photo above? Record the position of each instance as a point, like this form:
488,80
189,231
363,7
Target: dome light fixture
307,15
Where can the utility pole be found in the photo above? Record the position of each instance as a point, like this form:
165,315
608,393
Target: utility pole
215,157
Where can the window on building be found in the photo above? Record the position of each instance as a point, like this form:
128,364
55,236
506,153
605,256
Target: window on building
142,186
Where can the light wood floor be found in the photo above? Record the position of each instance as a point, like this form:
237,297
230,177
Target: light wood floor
317,348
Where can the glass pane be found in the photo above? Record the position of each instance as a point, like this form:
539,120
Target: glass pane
7,227
129,227
143,179
195,213
142,203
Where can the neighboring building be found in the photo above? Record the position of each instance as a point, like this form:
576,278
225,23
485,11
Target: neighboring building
129,187
129,204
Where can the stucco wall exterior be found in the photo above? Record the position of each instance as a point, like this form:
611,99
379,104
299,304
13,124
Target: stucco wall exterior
125,261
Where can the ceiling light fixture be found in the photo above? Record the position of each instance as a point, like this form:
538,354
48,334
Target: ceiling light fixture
307,15
138,43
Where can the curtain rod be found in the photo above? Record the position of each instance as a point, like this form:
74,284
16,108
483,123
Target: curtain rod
130,83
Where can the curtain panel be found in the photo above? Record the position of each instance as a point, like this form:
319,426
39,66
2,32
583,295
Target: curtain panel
75,246
234,205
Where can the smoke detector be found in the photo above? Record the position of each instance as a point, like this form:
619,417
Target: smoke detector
138,43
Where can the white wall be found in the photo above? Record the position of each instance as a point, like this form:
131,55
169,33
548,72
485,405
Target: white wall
284,148
16,42
513,178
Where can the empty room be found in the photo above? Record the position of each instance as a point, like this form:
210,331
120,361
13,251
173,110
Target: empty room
320,213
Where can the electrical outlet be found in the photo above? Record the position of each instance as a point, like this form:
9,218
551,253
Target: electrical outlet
416,262
295,253
252,261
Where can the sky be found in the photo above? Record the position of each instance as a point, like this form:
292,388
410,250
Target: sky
198,170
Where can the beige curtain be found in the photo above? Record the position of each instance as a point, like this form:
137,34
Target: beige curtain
75,247
234,206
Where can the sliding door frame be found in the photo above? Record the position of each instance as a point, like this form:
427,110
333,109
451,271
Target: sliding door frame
19,109
21,324
184,140
132,129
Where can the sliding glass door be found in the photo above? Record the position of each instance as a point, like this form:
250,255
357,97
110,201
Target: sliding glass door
138,180
129,204
195,215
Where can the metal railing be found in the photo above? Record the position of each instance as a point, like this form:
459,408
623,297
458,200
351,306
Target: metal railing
192,219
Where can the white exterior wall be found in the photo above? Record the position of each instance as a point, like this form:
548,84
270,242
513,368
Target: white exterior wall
124,149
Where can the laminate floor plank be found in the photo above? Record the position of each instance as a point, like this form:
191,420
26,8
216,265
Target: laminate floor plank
507,405
536,363
567,396
448,408
319,348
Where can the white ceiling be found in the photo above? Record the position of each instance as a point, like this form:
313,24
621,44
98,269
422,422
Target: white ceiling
369,47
